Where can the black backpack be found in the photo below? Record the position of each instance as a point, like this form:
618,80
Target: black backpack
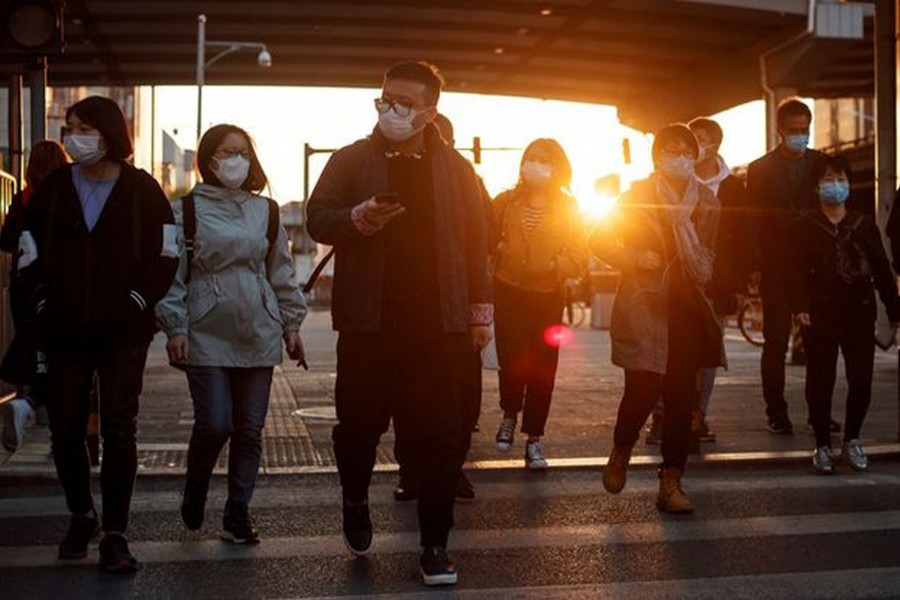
851,262
190,229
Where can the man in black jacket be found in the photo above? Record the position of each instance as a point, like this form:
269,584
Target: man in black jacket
781,188
411,296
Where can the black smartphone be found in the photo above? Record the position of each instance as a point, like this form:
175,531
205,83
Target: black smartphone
387,198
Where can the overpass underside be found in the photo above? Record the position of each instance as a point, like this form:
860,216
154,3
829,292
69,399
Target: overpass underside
657,60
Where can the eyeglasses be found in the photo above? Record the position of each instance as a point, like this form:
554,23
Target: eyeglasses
401,109
670,153
231,153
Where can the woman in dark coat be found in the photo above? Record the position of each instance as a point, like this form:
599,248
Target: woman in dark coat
663,328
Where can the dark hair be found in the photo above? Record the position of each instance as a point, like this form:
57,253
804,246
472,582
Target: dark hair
105,116
445,126
709,126
256,178
674,132
421,71
46,156
836,164
562,168
792,107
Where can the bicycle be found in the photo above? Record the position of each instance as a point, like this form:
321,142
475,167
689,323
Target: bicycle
574,311
750,319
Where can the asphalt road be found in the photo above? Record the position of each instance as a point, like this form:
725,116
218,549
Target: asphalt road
770,529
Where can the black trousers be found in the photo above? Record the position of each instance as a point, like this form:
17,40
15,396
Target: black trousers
854,336
678,389
120,369
414,378
777,321
527,362
470,389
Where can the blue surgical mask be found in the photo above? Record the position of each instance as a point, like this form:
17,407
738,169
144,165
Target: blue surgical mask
679,167
797,143
834,192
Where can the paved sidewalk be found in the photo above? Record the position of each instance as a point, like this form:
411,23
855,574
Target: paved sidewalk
579,431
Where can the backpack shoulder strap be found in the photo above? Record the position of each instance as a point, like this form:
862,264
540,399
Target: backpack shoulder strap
272,227
190,230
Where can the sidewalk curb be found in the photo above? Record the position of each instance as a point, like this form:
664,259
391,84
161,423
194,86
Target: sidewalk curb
642,462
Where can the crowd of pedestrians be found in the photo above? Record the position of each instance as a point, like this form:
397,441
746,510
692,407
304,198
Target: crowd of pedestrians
428,269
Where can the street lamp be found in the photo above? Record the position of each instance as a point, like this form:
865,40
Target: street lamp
264,59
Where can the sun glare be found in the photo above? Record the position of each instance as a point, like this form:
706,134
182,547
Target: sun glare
283,119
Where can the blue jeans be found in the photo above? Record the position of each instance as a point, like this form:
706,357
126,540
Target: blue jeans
229,403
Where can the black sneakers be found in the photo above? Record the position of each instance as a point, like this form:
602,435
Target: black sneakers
357,527
436,567
193,504
82,529
237,525
780,426
114,554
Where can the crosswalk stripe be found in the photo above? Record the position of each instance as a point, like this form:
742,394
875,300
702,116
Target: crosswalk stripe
478,539
305,494
827,585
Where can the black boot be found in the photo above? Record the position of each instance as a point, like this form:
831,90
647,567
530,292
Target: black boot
237,524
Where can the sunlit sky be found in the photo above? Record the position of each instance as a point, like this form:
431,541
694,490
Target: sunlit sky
282,119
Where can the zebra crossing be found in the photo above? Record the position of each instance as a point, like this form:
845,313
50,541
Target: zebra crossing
761,530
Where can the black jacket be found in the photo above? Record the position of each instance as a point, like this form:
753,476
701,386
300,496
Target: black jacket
358,172
106,281
840,268
777,215
733,259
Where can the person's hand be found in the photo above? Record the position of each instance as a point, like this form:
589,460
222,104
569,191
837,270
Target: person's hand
803,319
481,336
177,348
377,215
294,346
649,261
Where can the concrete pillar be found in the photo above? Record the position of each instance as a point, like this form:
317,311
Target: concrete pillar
885,107
16,127
38,87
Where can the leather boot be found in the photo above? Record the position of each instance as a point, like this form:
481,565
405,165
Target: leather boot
671,497
615,470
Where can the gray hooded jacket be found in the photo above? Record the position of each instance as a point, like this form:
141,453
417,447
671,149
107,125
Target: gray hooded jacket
236,306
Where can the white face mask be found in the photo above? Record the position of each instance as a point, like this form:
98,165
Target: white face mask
536,173
679,167
232,172
84,149
397,128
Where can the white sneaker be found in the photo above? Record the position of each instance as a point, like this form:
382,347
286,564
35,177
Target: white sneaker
534,459
823,460
16,415
505,434
854,454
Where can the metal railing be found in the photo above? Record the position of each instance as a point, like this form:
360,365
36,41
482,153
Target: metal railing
8,188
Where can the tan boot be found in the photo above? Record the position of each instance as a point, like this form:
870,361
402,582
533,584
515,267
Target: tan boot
615,469
671,498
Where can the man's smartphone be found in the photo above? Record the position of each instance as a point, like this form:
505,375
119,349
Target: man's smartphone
388,198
